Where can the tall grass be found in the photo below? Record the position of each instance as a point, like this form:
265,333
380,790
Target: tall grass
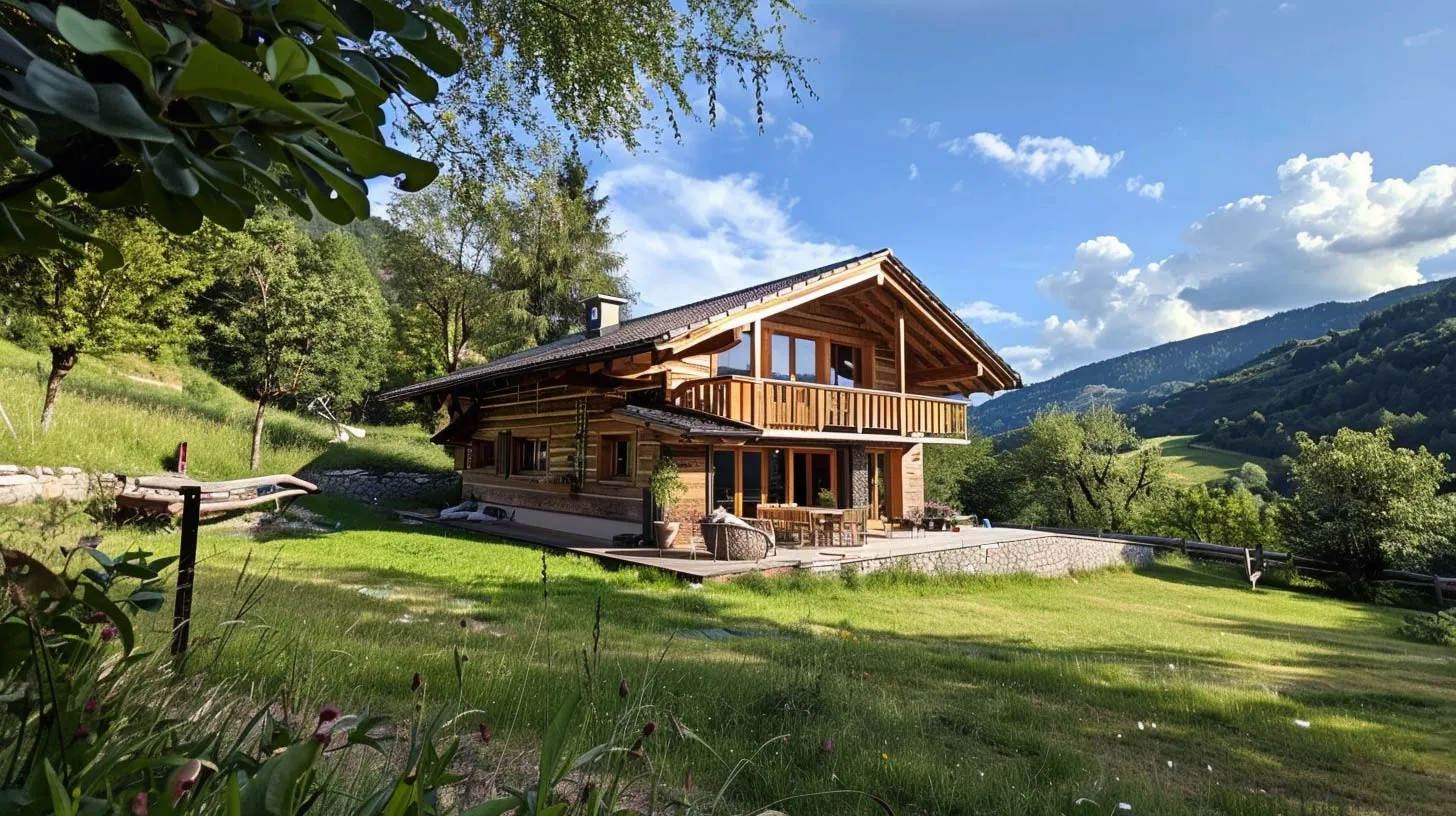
127,415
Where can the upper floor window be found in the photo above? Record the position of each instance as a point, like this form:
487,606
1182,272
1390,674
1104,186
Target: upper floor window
739,359
845,366
794,358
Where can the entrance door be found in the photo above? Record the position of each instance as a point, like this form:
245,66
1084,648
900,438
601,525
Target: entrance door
883,499
725,480
813,473
752,480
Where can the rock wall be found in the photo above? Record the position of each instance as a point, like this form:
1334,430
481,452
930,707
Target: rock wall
1047,556
23,485
369,486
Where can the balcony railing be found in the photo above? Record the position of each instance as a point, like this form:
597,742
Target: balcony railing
778,405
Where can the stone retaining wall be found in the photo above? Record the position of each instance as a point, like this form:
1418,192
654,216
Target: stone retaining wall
23,485
1049,556
369,486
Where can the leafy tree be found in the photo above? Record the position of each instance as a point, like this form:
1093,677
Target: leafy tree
555,247
438,262
194,110
1086,470
1254,477
1366,505
294,318
71,305
952,472
1235,518
582,70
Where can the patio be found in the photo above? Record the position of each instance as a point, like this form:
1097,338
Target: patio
970,550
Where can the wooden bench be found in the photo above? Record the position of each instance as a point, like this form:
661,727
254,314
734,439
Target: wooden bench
162,495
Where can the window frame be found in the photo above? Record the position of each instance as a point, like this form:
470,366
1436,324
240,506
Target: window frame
607,457
746,339
522,463
793,355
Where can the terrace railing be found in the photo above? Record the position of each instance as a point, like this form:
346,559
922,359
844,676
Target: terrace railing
782,405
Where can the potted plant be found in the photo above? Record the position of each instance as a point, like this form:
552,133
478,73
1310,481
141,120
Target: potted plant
937,516
826,498
667,487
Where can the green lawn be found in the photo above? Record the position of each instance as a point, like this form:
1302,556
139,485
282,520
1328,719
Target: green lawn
1194,463
127,415
1176,690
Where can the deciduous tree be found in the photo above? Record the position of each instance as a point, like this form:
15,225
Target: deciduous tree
73,306
294,318
1366,505
1087,470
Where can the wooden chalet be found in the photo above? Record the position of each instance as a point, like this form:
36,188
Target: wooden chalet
832,379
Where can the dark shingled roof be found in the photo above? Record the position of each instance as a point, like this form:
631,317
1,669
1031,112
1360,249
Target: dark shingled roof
638,332
686,422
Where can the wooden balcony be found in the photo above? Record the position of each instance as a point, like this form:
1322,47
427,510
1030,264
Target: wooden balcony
779,405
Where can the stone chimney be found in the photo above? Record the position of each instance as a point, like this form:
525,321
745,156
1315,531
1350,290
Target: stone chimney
603,312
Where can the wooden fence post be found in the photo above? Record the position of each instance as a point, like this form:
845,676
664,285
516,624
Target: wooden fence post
186,566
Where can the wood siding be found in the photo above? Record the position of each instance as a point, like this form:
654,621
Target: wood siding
777,405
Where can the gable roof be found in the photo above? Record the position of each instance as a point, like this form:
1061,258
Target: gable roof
642,333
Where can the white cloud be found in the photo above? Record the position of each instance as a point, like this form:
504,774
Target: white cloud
1329,232
797,135
983,311
1284,7
1423,38
686,238
958,186
932,130
905,127
914,171
1152,189
1027,360
1040,157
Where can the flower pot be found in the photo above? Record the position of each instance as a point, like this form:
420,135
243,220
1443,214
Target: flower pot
666,533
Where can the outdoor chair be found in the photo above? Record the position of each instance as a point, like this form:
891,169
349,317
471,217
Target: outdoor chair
737,542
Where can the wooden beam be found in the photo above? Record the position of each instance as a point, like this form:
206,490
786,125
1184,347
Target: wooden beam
755,354
900,363
946,375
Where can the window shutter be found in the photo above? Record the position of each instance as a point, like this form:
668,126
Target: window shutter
503,453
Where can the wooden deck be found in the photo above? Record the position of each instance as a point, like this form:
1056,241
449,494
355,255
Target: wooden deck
703,568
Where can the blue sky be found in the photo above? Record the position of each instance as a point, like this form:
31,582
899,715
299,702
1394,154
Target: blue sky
1089,178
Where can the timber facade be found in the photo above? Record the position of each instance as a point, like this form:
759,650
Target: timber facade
820,387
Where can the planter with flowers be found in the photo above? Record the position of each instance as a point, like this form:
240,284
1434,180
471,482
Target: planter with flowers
938,516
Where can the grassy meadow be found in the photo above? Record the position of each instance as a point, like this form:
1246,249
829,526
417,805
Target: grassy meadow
126,414
1175,690
1191,463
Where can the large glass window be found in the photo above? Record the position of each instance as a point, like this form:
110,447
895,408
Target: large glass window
778,471
752,462
813,473
806,360
725,479
782,354
739,359
844,365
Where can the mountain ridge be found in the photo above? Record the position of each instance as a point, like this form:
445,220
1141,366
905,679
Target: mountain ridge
1138,376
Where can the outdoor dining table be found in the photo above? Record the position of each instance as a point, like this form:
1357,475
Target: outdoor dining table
822,523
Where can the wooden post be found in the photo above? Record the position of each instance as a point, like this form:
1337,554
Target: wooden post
186,566
900,364
182,458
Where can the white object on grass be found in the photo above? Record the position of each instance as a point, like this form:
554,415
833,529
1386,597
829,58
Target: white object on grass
1302,723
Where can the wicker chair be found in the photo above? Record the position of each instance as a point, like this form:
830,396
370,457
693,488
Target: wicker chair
731,542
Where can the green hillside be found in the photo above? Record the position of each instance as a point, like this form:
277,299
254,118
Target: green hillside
1142,375
1190,462
1397,369
126,415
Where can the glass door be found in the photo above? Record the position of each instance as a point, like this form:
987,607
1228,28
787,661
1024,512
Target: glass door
725,479
879,484
751,469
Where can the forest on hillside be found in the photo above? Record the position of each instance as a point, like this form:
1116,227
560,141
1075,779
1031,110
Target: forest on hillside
1396,370
1140,376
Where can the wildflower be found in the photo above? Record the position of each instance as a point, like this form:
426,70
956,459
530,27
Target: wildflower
884,755
322,736
139,804
1302,723
1124,806
416,682
328,714
108,633
90,706
484,733
1140,725
183,780
829,745
623,690
648,729
1170,763
81,732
